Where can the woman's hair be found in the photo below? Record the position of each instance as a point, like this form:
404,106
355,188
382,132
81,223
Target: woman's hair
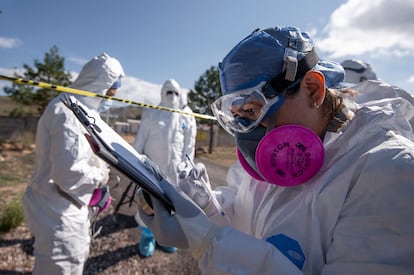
333,105
335,109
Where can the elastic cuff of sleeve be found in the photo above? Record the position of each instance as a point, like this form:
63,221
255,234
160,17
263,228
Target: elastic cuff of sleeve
210,210
199,251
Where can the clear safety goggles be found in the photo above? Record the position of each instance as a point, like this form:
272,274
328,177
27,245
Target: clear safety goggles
244,110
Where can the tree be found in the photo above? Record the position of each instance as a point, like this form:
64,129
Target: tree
52,71
207,90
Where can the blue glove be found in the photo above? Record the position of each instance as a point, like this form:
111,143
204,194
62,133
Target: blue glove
186,228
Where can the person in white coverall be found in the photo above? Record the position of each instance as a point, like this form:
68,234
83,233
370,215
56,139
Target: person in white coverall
66,174
357,71
323,185
165,137
360,73
188,126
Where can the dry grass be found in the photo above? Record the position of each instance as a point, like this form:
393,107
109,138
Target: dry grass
8,107
220,155
16,166
17,159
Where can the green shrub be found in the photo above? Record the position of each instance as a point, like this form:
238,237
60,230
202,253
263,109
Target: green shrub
12,215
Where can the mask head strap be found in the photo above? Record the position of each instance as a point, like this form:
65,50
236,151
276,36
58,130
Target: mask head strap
284,82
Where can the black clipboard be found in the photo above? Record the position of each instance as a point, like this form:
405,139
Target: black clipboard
117,152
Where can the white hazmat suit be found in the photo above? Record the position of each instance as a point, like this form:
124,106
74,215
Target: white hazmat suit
65,175
353,217
188,127
165,137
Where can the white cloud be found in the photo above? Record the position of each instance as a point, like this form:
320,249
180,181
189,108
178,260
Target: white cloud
5,83
73,75
139,90
377,27
132,88
77,60
10,72
7,42
2,86
411,79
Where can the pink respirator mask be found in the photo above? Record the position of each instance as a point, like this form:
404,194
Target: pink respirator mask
288,155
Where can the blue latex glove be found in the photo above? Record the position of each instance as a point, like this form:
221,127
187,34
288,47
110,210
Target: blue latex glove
187,228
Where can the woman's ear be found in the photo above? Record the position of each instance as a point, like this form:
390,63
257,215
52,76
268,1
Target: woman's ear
314,82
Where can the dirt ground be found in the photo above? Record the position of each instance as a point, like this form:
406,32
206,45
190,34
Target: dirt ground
114,251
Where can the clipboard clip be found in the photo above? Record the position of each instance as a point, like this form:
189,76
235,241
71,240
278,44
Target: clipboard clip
80,113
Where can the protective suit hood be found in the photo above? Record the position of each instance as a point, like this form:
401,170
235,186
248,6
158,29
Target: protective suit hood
357,71
183,99
170,101
97,76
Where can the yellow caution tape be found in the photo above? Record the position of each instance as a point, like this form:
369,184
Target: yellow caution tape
86,93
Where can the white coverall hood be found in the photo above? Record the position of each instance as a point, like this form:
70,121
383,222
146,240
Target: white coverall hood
357,71
97,76
170,101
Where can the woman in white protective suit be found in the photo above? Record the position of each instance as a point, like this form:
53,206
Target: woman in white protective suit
165,137
56,202
323,185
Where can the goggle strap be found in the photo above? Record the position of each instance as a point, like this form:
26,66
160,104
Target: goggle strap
291,68
280,83
357,70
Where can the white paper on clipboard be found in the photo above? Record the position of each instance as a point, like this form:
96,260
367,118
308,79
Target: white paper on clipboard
116,151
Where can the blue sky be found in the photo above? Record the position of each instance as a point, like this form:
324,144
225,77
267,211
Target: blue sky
158,40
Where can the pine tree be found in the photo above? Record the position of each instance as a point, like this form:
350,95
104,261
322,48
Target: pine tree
207,90
51,70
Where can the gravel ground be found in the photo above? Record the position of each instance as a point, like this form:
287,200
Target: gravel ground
113,251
